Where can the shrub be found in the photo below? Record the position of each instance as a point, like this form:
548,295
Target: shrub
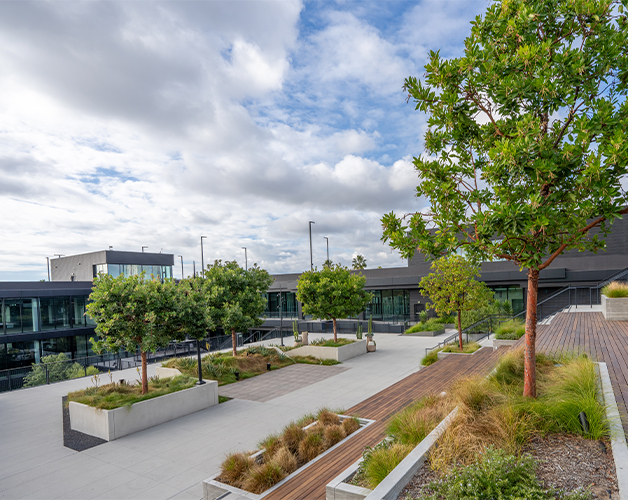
615,290
292,436
234,469
285,459
380,461
511,330
350,425
326,417
60,367
312,445
334,434
430,326
430,358
263,476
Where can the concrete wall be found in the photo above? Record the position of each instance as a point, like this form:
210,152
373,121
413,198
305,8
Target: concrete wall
341,353
113,424
615,309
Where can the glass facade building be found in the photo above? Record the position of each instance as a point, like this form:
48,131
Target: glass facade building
159,272
389,305
290,305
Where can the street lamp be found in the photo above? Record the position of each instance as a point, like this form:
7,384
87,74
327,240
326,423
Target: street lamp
327,248
48,266
202,257
246,262
181,266
194,268
143,247
311,258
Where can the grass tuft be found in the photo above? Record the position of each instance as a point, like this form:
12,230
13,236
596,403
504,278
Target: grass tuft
326,417
234,468
312,445
615,290
334,434
511,330
350,425
292,436
263,476
286,460
379,462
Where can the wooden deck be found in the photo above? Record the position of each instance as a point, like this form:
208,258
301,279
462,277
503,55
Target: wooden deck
310,484
590,333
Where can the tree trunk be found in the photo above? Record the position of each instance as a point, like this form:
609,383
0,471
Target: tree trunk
144,374
529,377
460,329
335,336
233,341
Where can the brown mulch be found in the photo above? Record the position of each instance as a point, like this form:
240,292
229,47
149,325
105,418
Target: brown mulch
568,462
564,462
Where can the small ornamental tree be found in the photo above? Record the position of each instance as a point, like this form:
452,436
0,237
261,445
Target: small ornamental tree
332,293
527,145
132,313
452,287
359,262
235,296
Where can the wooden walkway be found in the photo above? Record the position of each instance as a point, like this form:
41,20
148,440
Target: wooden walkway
590,333
310,484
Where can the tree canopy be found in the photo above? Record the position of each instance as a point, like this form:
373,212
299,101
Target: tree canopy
526,143
235,296
453,287
332,293
358,262
133,312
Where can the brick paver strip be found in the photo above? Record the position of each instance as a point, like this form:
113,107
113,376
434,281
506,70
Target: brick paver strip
310,484
277,383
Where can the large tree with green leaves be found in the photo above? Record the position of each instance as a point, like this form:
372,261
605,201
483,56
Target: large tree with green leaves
235,296
333,293
358,262
133,312
526,143
452,287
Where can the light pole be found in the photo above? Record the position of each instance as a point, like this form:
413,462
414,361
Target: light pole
144,248
181,266
202,257
48,266
327,248
194,268
311,258
198,363
246,262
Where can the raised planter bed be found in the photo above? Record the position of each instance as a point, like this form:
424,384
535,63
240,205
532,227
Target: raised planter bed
615,309
497,343
214,490
426,333
391,486
113,424
341,353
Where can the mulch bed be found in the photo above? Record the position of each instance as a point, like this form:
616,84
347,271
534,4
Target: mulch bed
564,462
76,440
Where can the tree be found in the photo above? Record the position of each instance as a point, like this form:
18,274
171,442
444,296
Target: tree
235,296
526,142
328,263
60,367
452,287
359,262
132,313
332,293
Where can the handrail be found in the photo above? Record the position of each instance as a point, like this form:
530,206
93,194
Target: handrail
612,278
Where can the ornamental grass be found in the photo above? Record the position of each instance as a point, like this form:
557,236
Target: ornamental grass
615,290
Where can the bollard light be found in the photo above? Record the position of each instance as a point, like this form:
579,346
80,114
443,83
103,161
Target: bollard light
268,366
584,422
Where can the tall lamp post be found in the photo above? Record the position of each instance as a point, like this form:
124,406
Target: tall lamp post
202,257
182,276
311,258
246,262
280,307
48,266
327,248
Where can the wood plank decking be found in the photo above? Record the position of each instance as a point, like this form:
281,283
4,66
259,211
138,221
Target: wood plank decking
310,484
590,333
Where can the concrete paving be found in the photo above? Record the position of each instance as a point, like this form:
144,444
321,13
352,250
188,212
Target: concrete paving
170,461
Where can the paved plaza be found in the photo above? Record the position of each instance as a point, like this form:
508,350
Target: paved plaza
171,460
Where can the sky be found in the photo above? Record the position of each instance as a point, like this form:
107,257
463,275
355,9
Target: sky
147,123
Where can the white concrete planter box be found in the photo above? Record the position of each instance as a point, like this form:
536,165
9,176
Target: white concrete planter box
215,490
615,309
113,424
392,485
426,333
341,353
501,343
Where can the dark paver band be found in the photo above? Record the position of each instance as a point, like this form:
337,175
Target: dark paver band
277,383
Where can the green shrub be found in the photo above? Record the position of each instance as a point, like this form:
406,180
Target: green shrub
615,290
511,330
411,425
430,326
430,358
331,343
381,460
60,367
496,475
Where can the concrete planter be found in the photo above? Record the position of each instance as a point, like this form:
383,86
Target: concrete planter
615,309
426,333
391,486
215,490
113,424
341,353
501,343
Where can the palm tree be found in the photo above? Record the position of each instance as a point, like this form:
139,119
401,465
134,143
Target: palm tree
359,262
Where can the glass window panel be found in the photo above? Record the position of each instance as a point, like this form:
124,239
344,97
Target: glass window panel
114,270
27,314
79,311
20,354
132,270
47,308
66,345
13,315
1,322
167,272
62,312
